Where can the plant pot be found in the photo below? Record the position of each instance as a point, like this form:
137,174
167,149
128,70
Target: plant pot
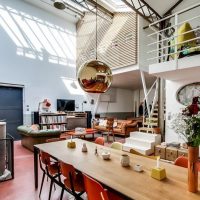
193,153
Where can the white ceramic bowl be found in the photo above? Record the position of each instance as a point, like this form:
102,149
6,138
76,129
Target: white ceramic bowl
105,155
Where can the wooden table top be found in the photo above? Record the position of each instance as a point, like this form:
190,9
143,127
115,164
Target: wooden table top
139,186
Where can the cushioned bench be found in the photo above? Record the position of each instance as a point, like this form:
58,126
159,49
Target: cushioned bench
30,137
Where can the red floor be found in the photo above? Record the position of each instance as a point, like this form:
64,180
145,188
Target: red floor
22,186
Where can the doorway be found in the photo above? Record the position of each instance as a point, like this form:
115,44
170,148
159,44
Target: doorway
11,108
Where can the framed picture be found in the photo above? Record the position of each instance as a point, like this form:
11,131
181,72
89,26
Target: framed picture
186,93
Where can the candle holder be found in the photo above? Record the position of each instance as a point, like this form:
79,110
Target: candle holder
71,144
158,172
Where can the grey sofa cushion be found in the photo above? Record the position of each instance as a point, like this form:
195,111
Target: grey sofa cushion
26,130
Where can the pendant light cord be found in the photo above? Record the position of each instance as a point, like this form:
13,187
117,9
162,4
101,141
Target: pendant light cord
96,29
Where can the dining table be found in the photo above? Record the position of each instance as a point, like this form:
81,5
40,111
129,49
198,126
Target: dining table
124,180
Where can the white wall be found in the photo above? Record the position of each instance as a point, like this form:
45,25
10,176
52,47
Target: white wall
143,41
173,106
37,51
124,102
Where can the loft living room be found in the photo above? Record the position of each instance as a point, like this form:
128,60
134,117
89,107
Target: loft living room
64,118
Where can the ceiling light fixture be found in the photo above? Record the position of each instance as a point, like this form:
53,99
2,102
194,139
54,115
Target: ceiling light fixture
59,4
95,76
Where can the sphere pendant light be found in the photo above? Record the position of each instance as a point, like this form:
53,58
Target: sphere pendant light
95,76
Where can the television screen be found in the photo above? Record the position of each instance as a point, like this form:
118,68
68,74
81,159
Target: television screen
65,105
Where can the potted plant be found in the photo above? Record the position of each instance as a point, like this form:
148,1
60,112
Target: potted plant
187,125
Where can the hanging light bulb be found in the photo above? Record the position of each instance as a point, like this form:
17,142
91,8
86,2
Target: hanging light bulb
59,4
95,76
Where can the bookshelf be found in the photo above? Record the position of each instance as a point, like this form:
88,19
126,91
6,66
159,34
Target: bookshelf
61,121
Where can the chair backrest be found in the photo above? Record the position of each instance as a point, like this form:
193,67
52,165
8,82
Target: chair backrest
94,190
100,140
45,158
116,145
66,169
181,161
109,124
140,154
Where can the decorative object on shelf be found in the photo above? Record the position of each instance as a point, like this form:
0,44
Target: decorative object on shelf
95,76
71,144
84,148
186,93
46,104
187,125
59,4
125,160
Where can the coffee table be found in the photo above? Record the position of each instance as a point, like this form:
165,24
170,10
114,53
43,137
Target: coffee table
88,131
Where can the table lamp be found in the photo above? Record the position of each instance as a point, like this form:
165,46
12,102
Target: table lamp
158,172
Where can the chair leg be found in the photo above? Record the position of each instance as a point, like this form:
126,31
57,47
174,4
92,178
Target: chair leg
113,137
43,176
61,195
51,184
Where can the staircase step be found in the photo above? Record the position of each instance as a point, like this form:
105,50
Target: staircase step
143,150
146,129
146,136
152,119
140,142
150,124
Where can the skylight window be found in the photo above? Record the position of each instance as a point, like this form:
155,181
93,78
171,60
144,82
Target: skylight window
117,5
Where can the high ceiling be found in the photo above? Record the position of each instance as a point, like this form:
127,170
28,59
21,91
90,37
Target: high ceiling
161,6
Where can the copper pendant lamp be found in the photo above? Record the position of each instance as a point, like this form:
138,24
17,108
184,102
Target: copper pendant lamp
95,76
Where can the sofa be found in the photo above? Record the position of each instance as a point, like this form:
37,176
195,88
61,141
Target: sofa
31,136
120,127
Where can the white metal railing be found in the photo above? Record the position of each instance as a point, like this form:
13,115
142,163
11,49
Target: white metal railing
161,48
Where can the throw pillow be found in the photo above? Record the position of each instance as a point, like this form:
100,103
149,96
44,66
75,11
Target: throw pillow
115,124
183,37
35,127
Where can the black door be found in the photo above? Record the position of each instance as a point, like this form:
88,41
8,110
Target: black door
11,108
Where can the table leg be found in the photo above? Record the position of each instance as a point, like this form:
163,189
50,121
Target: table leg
36,167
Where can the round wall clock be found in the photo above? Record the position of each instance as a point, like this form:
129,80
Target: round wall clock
186,93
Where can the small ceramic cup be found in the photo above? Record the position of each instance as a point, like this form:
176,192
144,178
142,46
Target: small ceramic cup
125,160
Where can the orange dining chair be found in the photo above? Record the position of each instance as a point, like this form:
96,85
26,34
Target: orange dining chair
95,190
73,182
100,140
49,169
181,162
